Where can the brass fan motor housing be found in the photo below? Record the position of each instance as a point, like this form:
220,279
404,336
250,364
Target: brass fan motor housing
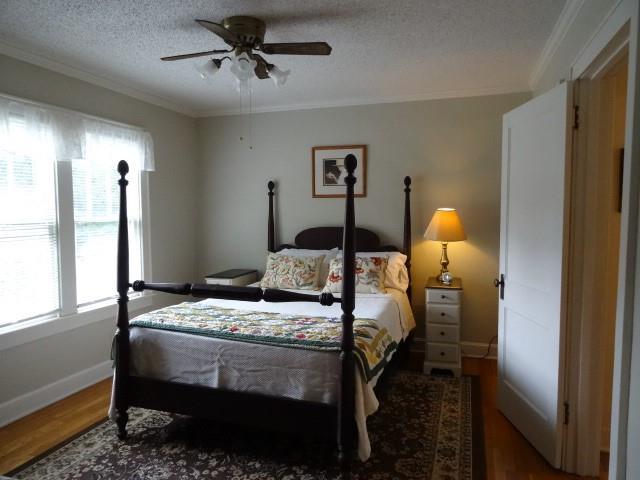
251,30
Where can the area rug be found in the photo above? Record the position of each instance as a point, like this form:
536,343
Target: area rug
427,427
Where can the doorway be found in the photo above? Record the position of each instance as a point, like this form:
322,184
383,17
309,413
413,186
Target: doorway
596,206
613,96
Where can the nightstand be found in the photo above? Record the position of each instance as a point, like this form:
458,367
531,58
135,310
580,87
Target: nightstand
235,277
443,313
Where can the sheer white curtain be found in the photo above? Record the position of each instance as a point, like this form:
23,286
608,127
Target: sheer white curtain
33,138
66,131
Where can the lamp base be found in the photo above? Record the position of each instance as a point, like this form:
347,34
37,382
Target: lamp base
445,277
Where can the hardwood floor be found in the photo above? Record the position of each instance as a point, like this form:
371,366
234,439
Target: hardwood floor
34,434
509,456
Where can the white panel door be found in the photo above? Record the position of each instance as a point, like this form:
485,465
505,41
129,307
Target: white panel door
535,153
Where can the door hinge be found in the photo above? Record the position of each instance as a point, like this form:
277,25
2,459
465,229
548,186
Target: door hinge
500,284
566,413
576,116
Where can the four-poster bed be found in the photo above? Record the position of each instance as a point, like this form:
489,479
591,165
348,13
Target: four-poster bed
255,407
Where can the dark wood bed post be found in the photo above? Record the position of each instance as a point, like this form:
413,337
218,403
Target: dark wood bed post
122,332
346,405
271,245
406,244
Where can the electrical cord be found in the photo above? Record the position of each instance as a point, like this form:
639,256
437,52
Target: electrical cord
493,339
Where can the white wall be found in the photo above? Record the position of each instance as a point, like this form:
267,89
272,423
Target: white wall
30,366
451,149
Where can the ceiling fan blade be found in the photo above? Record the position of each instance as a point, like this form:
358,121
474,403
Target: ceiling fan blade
226,35
305,48
192,55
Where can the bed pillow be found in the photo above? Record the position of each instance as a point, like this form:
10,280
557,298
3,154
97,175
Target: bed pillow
396,275
324,267
287,271
370,272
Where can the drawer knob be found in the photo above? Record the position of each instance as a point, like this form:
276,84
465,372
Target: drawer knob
443,296
442,314
442,333
442,354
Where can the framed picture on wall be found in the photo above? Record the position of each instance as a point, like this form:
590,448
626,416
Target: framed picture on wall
328,171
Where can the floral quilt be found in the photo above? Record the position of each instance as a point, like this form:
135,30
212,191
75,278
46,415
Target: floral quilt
373,344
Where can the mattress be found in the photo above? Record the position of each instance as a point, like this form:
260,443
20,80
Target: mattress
272,370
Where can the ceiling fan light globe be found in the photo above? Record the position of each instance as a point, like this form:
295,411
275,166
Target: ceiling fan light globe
206,70
243,66
278,76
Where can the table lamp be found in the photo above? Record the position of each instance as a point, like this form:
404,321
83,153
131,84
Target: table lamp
445,226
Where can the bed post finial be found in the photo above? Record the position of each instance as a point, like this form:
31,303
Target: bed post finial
346,406
122,332
271,234
123,168
406,244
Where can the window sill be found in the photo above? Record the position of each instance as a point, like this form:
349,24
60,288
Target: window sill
32,330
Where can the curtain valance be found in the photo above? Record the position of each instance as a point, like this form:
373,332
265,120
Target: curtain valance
68,131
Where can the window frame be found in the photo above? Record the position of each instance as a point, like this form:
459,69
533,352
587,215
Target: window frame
70,315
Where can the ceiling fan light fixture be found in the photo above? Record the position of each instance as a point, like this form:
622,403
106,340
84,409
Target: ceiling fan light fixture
242,66
208,69
278,76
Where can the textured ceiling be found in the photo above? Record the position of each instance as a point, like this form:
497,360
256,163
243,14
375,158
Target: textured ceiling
383,50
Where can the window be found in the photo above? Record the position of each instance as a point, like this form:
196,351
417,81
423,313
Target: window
96,201
59,218
29,282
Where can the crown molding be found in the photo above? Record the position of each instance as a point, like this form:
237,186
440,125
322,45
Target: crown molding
563,24
100,81
461,93
118,87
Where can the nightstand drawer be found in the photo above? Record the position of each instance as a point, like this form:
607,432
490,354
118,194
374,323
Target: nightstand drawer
442,352
442,333
441,313
441,295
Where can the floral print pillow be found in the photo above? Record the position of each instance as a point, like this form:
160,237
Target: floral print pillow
286,271
369,275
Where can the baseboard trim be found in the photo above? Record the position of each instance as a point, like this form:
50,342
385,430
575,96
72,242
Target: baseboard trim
469,349
478,350
27,403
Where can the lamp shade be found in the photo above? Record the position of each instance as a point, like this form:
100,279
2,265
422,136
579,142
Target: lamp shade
445,226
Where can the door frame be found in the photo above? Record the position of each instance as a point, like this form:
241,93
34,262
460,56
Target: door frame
618,33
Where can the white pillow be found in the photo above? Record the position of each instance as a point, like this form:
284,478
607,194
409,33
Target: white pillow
396,275
324,267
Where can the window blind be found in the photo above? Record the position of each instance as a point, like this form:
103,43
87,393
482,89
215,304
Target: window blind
95,204
29,283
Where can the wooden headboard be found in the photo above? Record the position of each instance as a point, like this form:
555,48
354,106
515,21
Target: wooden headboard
326,238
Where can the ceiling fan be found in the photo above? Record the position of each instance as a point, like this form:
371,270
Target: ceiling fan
245,37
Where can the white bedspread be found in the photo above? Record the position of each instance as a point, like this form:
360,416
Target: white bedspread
287,372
